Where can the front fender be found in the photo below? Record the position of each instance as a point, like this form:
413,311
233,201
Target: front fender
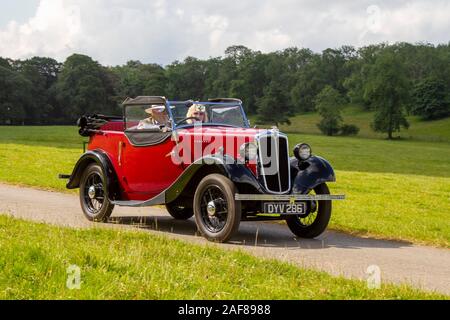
101,158
226,165
312,172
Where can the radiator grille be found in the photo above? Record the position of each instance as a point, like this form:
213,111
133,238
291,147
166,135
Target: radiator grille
274,162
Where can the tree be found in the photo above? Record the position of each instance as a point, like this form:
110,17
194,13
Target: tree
42,73
430,99
186,79
84,86
273,106
328,104
238,53
15,95
359,69
309,82
137,79
4,63
387,89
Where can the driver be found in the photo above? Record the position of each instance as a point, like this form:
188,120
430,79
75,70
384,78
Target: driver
158,118
198,111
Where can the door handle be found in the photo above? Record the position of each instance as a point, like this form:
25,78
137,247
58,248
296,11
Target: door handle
121,146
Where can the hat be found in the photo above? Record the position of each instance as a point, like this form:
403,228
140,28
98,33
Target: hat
155,108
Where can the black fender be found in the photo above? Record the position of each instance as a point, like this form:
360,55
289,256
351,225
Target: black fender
237,172
101,158
310,173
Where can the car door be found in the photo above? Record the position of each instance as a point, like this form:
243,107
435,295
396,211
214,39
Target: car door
147,166
146,162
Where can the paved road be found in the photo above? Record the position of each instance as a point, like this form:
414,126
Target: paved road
333,252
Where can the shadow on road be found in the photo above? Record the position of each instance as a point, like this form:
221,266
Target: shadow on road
262,234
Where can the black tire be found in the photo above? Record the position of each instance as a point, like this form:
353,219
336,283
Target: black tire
301,229
222,221
96,207
179,212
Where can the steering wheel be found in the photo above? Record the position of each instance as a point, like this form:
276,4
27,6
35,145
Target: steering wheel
186,119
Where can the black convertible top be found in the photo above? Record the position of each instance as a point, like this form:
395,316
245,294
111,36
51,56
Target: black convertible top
225,100
143,100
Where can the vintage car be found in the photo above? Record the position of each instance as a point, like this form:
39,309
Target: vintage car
200,159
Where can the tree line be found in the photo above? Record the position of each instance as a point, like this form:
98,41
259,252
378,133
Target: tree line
392,80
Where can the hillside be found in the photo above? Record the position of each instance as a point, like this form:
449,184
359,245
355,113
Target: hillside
438,130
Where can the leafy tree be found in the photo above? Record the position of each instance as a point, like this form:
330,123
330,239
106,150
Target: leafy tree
136,79
289,81
153,79
15,95
238,53
328,104
186,79
275,104
250,80
309,82
349,130
272,106
431,100
84,86
387,88
359,69
4,63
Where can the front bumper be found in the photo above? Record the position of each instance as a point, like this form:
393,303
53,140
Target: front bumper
287,197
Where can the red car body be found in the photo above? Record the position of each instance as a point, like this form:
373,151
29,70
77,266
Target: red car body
144,172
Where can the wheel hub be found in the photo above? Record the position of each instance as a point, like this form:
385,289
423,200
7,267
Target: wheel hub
211,208
92,192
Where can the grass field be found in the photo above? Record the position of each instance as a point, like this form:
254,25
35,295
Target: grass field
395,189
438,130
117,264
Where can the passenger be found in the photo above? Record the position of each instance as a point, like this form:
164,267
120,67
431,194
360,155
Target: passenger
158,118
198,111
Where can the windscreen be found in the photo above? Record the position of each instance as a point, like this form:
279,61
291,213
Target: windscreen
207,113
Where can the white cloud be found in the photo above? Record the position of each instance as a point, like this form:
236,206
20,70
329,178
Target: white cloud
55,27
161,31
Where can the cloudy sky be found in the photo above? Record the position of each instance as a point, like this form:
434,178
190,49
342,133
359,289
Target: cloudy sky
161,31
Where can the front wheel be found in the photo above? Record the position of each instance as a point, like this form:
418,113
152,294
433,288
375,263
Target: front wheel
93,194
316,221
217,213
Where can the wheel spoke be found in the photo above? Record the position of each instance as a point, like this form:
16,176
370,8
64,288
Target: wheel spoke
95,204
214,223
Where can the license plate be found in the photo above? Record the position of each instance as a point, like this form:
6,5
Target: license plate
285,207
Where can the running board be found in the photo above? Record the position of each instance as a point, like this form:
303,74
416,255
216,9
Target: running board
159,199
287,197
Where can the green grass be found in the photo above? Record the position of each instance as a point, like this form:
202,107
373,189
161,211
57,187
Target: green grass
36,166
395,189
118,264
393,206
34,156
371,155
49,136
437,131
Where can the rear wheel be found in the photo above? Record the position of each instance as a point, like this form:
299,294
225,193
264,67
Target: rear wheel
178,211
316,221
93,195
217,214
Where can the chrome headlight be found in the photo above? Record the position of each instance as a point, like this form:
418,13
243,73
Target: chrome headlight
248,151
302,151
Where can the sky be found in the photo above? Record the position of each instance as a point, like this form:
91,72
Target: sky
162,31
